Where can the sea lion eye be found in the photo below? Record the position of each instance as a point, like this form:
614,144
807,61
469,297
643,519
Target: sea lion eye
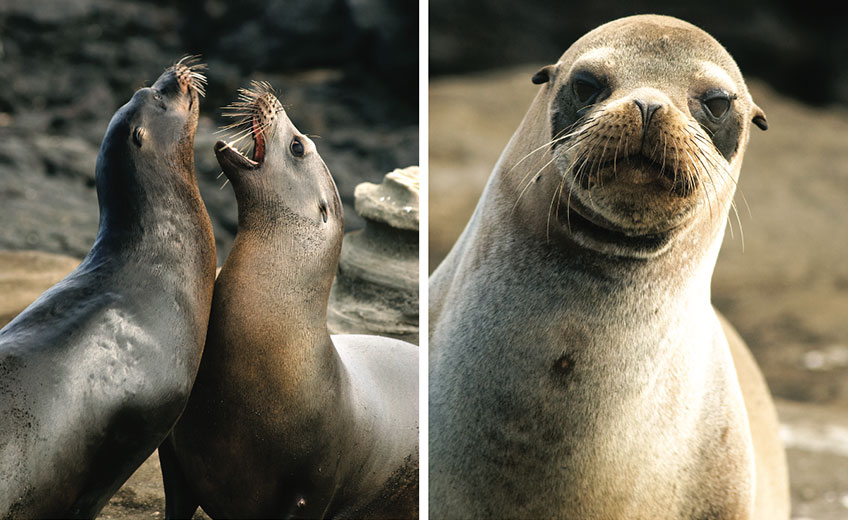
323,207
585,88
297,149
717,104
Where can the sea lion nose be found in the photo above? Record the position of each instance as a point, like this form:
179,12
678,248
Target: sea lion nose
648,108
171,81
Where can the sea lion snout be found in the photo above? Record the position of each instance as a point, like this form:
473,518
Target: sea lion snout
648,102
647,109
184,77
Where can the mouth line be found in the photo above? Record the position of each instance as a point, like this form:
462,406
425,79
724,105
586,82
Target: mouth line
576,223
641,161
642,172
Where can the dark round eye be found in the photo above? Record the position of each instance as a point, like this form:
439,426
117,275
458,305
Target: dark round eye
584,90
157,96
323,208
297,148
717,106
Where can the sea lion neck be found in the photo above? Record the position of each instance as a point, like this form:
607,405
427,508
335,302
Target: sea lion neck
145,179
136,200
286,289
294,255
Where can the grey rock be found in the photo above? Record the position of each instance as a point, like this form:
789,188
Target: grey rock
66,67
376,287
394,202
67,156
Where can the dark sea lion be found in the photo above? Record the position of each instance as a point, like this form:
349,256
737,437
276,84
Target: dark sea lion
285,420
577,366
94,374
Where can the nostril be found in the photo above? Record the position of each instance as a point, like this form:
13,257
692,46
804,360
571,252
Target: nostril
647,110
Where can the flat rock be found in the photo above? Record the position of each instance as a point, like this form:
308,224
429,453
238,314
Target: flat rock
376,286
394,201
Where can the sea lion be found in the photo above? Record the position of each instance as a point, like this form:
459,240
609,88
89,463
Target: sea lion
94,374
577,366
285,420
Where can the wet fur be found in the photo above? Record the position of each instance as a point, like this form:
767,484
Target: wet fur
94,374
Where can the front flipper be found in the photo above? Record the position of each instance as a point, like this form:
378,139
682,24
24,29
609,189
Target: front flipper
180,501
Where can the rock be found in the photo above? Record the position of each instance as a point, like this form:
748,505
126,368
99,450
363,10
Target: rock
24,275
394,202
376,287
67,156
66,68
391,30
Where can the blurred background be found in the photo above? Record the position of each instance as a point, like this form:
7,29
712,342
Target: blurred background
785,285
347,71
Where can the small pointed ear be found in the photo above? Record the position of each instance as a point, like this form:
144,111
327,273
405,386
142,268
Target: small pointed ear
760,118
544,75
138,136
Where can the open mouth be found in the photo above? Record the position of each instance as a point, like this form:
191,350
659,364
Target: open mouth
250,160
228,155
258,141
255,112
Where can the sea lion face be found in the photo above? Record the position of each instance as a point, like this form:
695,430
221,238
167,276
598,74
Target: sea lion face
159,121
285,175
649,119
149,139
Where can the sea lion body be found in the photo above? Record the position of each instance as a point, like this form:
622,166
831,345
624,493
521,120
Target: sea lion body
577,366
286,421
96,371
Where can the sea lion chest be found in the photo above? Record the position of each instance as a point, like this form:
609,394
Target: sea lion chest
596,392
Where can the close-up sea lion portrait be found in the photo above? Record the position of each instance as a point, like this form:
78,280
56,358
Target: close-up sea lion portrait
577,366
95,372
285,420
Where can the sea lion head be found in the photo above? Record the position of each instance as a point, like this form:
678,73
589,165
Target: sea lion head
148,139
283,184
648,119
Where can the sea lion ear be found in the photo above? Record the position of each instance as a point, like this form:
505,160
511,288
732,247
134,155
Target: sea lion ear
544,75
138,136
760,118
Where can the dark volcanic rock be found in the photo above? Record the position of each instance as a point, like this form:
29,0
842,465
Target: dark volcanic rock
346,70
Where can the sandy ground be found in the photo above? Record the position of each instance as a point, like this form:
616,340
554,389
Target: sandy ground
785,286
142,496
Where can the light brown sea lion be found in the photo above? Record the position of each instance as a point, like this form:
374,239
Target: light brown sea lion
286,421
577,366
